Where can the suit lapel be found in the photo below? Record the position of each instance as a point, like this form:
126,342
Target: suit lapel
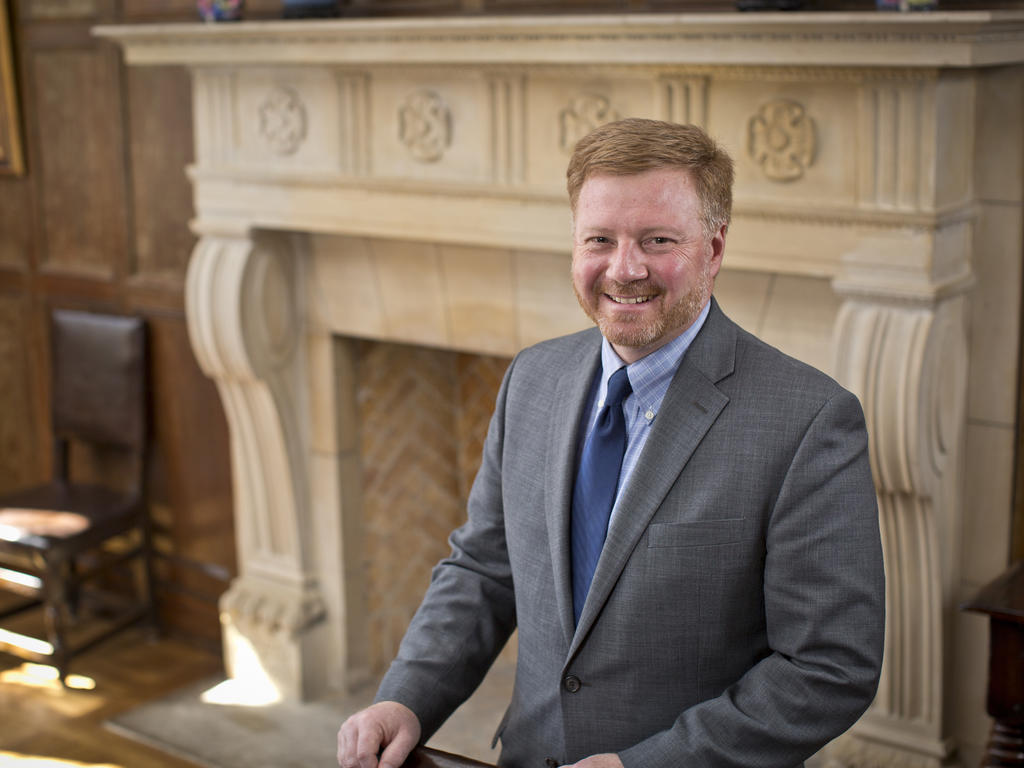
571,390
691,406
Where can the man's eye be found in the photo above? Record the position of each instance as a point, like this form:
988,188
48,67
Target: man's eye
659,241
600,240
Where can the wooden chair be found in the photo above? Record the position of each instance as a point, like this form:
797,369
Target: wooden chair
57,539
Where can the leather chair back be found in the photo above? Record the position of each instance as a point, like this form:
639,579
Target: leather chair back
99,403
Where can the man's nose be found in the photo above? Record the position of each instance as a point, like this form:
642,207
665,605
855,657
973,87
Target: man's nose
626,264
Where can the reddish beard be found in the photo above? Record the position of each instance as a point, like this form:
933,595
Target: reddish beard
639,332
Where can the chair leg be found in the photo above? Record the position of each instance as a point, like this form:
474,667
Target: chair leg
55,609
73,594
149,581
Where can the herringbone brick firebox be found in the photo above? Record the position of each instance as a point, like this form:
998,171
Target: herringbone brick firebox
423,416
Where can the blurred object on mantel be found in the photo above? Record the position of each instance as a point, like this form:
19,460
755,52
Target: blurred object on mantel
769,5
220,10
907,5
1003,601
310,9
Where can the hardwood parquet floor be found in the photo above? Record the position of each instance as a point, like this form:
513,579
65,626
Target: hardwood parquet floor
43,725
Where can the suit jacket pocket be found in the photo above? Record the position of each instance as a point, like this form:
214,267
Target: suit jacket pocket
697,533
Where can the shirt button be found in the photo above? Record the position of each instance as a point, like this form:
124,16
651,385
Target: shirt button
550,762
572,683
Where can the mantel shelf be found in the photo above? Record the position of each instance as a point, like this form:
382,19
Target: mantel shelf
944,39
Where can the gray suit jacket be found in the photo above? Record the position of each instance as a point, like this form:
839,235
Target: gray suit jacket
736,614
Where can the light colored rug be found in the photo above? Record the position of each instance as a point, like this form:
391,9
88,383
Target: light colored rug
293,735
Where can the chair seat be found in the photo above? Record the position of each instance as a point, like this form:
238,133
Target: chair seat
62,514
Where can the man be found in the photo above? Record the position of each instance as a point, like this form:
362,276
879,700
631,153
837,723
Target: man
730,613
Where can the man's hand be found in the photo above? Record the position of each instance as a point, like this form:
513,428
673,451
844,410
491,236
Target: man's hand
386,724
609,760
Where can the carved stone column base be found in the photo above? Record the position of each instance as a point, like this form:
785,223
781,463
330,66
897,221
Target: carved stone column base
272,633
855,750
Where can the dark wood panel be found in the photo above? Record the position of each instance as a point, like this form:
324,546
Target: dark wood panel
190,485
52,10
147,294
141,10
20,391
13,280
79,138
160,135
15,224
91,291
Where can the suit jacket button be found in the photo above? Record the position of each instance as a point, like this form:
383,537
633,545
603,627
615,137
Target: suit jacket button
550,762
572,683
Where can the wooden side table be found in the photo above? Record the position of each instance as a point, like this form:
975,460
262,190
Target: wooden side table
1003,601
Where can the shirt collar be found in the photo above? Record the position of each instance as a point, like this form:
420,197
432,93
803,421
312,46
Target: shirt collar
650,375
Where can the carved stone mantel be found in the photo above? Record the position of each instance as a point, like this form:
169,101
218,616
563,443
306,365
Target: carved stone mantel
436,150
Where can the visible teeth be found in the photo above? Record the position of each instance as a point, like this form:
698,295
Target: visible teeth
629,299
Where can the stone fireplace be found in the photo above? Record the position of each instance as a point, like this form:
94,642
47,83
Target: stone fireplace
401,181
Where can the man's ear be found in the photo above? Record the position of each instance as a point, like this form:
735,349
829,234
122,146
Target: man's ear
718,249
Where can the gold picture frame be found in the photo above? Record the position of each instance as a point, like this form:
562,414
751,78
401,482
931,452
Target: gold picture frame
12,161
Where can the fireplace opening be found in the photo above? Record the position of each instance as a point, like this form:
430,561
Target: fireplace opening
423,416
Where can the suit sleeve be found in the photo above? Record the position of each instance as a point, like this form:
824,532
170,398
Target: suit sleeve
468,612
824,610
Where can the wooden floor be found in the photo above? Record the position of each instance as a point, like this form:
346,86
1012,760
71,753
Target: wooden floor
42,724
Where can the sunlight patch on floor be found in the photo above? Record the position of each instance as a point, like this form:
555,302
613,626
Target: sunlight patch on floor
26,642
18,760
44,676
250,685
241,693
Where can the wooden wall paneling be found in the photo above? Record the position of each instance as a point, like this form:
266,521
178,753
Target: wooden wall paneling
190,483
21,462
141,11
15,224
81,165
159,106
93,11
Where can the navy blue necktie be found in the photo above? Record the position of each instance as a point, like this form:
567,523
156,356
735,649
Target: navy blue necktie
596,482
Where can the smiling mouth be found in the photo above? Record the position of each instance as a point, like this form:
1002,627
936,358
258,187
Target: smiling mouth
629,299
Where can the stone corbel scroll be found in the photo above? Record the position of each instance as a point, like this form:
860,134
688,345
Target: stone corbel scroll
246,331
903,350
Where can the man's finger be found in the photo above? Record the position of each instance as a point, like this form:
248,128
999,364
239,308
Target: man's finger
367,745
344,747
398,750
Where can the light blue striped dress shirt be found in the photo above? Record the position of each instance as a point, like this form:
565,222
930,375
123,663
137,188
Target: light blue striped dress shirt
649,377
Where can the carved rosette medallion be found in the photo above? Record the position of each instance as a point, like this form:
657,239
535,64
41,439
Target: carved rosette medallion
425,126
781,140
584,113
282,120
